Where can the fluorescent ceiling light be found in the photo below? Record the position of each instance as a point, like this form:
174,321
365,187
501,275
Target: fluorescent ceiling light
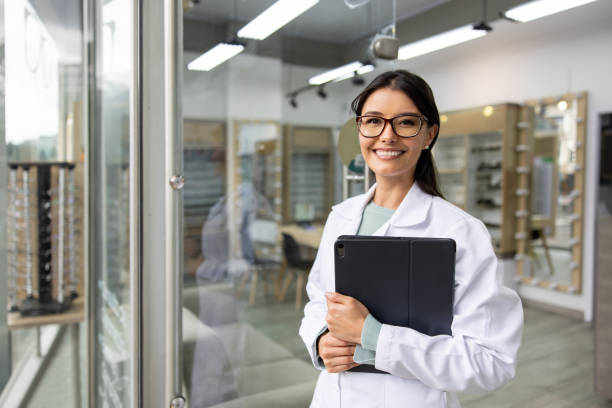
274,17
364,69
439,41
541,8
215,56
343,71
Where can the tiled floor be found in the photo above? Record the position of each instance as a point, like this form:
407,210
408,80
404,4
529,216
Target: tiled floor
555,367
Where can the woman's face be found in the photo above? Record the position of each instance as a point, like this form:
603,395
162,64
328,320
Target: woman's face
390,155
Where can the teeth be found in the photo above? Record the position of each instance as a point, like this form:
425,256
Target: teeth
388,153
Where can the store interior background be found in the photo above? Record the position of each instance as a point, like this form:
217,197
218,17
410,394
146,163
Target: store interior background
514,63
564,53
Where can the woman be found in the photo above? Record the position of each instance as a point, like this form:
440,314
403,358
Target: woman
398,124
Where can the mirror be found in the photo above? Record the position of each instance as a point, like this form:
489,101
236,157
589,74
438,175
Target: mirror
555,249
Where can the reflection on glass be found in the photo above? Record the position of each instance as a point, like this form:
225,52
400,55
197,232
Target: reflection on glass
32,84
239,341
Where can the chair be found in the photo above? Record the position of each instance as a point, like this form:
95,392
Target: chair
295,264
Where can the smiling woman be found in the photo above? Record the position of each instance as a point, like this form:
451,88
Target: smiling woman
398,122
399,153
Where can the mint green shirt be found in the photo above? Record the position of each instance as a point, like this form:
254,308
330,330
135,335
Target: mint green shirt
374,216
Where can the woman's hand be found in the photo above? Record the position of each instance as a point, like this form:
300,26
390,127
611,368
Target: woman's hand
345,317
337,354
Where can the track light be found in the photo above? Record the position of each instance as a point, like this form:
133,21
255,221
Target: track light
321,92
357,80
293,102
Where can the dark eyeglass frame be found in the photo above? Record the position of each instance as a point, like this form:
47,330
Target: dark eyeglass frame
390,122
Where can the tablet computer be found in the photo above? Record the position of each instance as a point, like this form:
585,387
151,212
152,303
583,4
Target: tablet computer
403,281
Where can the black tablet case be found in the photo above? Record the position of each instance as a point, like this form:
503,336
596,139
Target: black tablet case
402,281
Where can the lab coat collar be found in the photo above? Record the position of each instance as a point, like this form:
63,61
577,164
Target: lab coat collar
412,210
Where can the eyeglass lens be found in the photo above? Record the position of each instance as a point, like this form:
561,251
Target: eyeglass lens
404,126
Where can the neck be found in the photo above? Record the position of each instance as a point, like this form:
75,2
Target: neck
390,191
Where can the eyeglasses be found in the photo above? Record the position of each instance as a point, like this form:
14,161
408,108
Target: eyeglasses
406,125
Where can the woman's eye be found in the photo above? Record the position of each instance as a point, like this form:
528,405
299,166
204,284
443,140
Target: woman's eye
372,121
407,122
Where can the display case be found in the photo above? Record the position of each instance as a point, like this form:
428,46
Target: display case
477,158
44,226
309,174
553,255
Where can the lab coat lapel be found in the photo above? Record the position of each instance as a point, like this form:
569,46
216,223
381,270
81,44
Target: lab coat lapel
413,209
352,212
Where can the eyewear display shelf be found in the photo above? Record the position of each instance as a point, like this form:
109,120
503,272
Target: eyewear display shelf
308,177
480,154
43,249
567,193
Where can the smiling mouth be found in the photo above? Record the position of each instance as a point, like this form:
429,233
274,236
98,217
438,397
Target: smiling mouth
388,154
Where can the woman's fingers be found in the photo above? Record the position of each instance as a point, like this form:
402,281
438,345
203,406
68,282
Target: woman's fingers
338,364
333,341
336,297
332,352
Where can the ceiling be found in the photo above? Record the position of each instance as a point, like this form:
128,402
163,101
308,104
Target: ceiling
331,21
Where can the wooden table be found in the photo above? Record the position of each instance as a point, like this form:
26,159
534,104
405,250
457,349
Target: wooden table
310,237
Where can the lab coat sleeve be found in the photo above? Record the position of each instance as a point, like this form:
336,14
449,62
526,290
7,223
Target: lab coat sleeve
313,322
480,355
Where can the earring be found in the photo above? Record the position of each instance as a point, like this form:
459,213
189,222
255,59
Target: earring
426,147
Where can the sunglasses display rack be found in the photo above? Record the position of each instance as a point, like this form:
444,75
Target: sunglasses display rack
42,238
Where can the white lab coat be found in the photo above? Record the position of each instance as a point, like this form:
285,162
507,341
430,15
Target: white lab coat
425,371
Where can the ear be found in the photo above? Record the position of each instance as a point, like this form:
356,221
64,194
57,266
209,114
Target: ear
431,134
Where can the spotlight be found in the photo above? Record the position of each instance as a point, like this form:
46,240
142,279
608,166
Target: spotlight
321,92
293,102
357,80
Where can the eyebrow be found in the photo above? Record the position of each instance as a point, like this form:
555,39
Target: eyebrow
380,113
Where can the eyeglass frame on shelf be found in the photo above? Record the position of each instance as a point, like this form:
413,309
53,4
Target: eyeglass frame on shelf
390,121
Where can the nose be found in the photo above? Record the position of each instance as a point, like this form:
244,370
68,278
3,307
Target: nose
388,135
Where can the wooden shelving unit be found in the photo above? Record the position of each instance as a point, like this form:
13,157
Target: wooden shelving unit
308,178
476,158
